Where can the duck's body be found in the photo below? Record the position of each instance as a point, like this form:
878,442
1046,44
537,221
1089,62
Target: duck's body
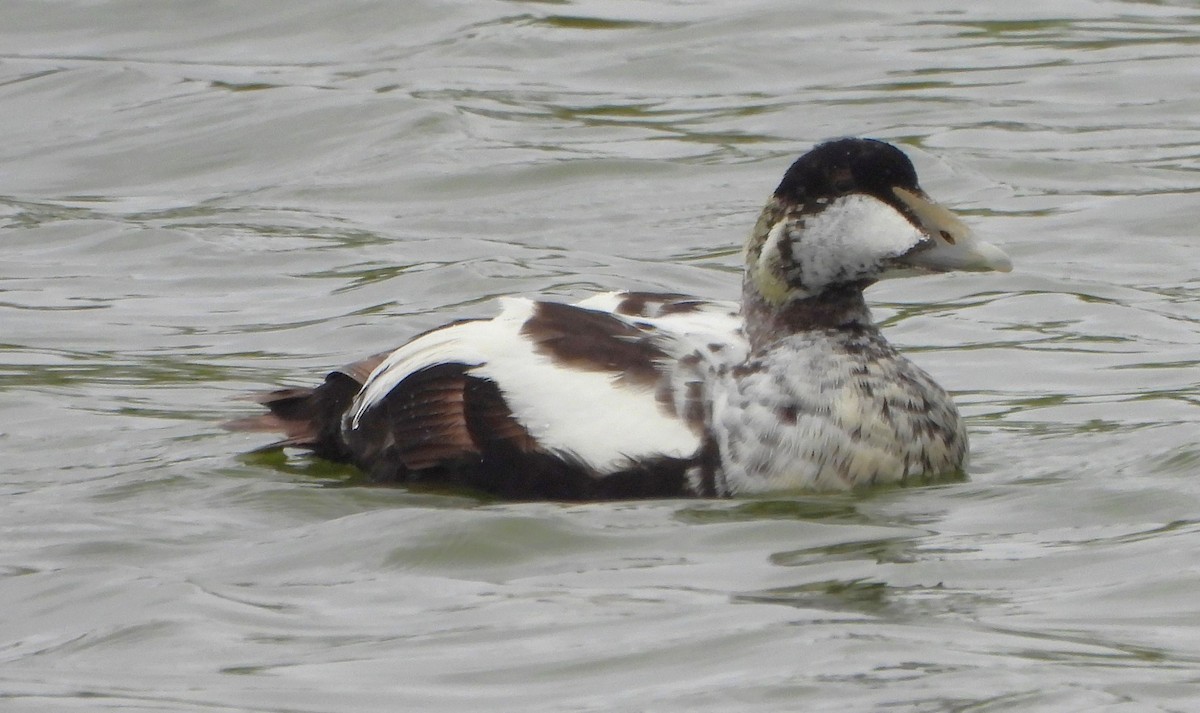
648,395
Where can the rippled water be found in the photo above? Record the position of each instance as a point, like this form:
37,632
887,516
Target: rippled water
201,199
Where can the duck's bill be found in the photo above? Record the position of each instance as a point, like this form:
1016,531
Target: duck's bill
952,246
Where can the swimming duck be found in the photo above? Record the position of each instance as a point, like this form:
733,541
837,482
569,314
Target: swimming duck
634,394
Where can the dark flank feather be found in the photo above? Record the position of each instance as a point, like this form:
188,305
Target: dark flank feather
442,425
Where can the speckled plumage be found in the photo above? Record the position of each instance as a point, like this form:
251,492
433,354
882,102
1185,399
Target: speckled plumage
648,395
832,409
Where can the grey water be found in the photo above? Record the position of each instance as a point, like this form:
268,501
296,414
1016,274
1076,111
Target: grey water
203,199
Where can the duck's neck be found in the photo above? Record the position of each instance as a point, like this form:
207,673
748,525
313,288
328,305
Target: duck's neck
836,308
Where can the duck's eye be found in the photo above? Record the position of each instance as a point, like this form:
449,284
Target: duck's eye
843,184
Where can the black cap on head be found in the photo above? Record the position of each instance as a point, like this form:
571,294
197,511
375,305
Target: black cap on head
846,166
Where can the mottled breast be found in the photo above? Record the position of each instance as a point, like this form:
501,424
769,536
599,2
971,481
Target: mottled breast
831,410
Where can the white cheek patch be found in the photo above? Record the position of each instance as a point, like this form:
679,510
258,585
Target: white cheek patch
851,239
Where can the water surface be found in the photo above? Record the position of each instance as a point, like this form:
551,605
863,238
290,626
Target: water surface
203,199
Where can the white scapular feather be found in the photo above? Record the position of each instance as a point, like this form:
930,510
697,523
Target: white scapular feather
584,415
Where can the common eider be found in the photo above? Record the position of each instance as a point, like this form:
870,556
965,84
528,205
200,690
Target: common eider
637,395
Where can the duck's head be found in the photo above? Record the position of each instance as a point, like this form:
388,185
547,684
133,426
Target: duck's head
850,212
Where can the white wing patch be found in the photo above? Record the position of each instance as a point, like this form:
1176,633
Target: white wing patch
588,416
702,323
704,339
603,301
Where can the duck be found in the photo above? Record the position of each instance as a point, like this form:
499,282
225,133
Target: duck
657,395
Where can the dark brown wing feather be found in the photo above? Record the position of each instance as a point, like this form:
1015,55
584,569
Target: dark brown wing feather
443,424
657,304
423,422
578,338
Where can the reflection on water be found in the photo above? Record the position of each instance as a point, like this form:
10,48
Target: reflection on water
196,203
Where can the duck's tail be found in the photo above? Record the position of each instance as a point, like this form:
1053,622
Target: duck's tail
310,418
